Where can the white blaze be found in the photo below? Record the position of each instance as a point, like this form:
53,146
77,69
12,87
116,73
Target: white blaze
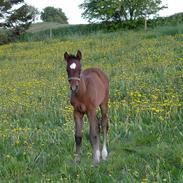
73,66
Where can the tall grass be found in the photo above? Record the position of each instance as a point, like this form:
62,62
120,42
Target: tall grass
69,31
168,30
61,32
146,129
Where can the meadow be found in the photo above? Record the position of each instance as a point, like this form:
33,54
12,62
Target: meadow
145,109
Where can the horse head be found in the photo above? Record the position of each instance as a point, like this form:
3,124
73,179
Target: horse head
73,70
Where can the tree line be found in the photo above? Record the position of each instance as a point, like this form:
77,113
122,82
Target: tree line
121,10
16,16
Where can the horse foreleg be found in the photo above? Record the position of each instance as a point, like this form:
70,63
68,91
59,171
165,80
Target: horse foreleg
78,118
94,136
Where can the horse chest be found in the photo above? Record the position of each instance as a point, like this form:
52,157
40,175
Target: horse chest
78,106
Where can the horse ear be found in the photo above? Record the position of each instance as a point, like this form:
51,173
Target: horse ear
66,56
79,55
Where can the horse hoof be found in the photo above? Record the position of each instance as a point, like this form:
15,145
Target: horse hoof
96,162
77,159
96,158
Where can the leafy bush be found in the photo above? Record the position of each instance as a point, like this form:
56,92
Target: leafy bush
4,37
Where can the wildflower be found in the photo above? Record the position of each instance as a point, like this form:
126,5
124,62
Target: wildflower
144,180
7,156
161,118
17,142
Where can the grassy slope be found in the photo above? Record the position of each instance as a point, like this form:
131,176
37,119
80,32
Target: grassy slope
37,27
145,137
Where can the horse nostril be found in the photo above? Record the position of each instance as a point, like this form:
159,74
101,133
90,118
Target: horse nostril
74,88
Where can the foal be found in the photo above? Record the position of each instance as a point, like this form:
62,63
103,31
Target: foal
89,89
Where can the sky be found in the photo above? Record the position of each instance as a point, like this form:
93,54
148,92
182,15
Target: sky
73,12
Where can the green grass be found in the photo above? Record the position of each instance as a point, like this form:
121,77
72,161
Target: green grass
146,129
37,27
168,30
47,31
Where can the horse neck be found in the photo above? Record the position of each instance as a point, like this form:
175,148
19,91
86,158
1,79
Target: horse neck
82,87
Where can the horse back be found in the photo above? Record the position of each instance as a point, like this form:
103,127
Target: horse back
97,84
97,75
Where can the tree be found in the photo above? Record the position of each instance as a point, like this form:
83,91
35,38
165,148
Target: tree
51,14
34,11
107,10
133,9
99,10
16,16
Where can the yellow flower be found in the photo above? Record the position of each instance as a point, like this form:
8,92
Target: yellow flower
144,180
7,156
17,142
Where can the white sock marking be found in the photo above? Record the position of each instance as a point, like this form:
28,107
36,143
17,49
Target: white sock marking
97,156
104,152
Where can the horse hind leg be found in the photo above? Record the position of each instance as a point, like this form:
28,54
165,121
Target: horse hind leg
99,123
104,124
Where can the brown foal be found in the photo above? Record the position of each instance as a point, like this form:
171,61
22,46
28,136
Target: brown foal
89,89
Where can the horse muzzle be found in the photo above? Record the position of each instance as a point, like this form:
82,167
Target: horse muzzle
74,84
74,88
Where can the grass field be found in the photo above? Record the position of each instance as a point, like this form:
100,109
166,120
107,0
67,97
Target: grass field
146,116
